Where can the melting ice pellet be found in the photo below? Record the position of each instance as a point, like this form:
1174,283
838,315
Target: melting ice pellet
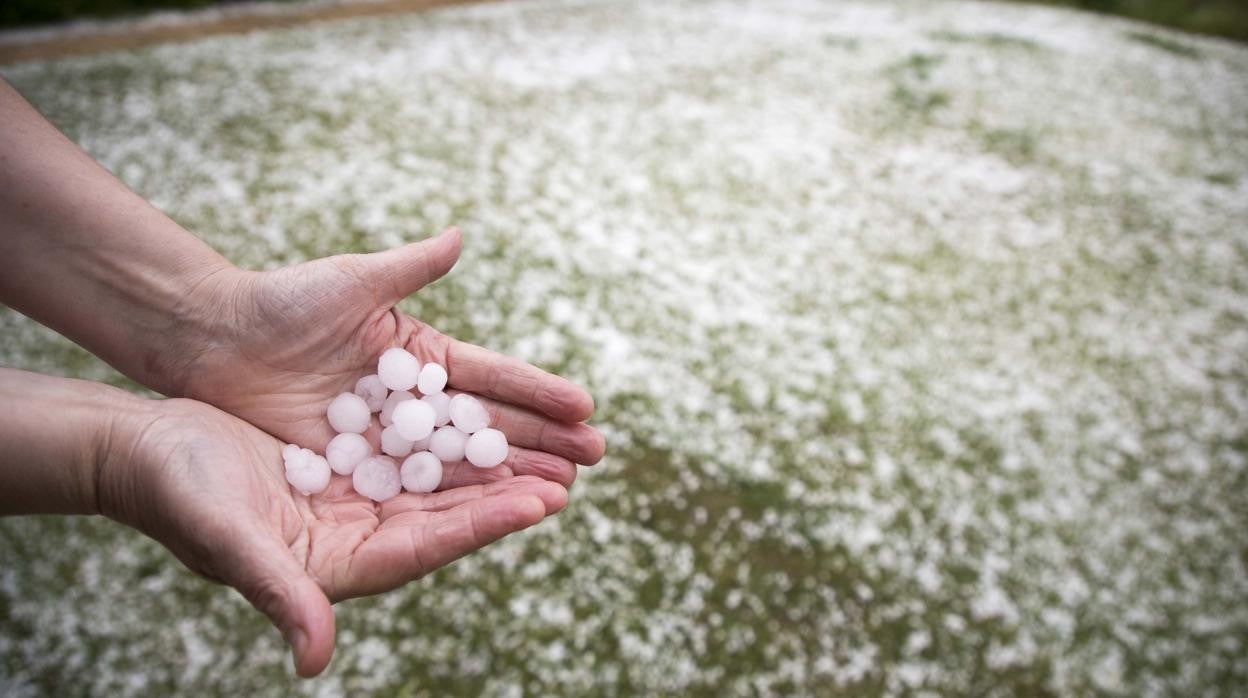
432,379
348,414
447,443
486,448
413,419
468,414
393,443
377,478
441,404
305,471
398,369
372,390
345,451
421,472
387,408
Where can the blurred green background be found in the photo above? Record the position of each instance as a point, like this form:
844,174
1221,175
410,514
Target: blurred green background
919,337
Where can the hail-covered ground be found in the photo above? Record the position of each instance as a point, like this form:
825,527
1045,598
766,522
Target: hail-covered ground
919,334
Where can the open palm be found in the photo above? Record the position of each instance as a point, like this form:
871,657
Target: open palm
211,488
296,337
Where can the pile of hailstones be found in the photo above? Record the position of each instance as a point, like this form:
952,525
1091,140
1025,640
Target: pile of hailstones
426,432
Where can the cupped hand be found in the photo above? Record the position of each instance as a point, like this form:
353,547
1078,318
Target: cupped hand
295,337
211,488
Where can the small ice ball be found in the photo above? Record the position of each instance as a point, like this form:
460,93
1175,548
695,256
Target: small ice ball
447,443
345,451
348,414
468,414
377,478
421,472
306,471
372,390
441,404
486,448
398,369
393,443
387,408
289,451
432,379
414,419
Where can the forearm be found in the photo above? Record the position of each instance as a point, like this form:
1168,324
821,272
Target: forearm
54,435
92,259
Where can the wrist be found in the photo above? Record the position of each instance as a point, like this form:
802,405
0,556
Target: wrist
55,434
201,317
121,457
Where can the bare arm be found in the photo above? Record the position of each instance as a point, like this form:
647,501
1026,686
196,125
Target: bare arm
92,259
52,434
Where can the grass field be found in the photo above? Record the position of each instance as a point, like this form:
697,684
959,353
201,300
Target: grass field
919,334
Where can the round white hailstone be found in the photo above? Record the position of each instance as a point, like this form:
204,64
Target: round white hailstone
447,444
468,414
377,478
421,472
393,443
348,414
398,369
387,408
432,379
345,451
372,390
414,419
441,404
289,451
486,448
307,472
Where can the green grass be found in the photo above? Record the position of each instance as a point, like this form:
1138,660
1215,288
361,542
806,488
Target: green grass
917,361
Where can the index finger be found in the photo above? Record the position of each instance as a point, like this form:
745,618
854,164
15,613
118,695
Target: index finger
478,370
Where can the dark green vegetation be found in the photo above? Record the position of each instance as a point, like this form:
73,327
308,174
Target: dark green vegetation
1226,18
16,13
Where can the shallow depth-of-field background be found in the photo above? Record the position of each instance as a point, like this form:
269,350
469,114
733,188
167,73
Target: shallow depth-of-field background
919,334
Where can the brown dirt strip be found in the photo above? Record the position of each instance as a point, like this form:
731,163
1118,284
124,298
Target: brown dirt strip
125,35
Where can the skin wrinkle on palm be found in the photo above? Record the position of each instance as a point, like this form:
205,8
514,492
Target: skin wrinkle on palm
941,459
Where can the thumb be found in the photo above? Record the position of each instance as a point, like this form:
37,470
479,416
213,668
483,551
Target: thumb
271,579
402,271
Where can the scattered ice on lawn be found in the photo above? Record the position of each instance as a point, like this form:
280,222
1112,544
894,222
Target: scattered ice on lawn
393,443
348,413
421,472
372,390
387,408
305,471
414,419
377,478
486,448
432,379
447,443
441,404
345,451
398,369
468,414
